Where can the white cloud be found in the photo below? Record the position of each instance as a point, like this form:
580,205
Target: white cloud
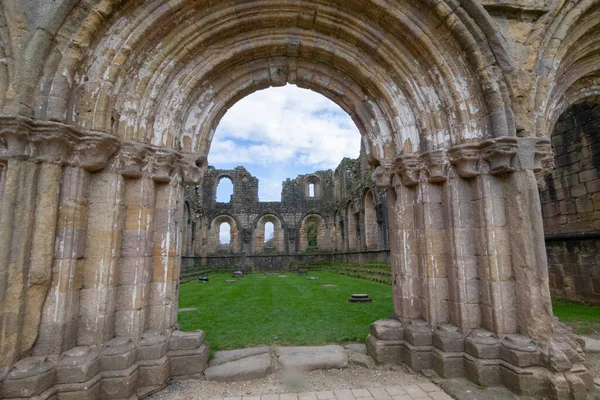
285,125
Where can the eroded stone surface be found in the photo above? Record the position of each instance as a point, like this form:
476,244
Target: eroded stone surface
246,368
309,358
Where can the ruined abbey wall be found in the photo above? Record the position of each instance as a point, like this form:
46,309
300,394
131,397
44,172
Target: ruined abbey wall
108,109
570,198
346,208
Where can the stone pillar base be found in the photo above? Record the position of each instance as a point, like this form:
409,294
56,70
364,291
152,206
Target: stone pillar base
529,368
120,369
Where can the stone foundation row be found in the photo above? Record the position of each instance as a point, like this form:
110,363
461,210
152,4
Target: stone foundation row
529,368
121,369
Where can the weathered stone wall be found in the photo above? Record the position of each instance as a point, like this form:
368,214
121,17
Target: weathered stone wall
349,187
570,198
455,102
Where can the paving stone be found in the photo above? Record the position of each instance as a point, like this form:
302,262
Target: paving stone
310,358
307,396
415,391
325,395
270,397
251,398
394,390
343,394
252,367
356,347
429,387
361,393
440,396
402,397
288,396
380,394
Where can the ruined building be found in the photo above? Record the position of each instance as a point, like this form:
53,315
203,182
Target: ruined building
108,109
344,211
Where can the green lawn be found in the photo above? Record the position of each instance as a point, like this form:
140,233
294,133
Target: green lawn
266,309
583,318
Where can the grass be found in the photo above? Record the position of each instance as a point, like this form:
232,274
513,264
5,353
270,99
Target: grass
266,309
583,318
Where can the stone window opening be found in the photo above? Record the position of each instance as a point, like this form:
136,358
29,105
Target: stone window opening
224,191
224,235
313,187
269,239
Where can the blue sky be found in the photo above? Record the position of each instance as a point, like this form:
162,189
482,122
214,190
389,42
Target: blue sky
281,133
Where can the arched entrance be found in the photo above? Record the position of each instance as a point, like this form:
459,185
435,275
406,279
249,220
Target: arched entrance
108,109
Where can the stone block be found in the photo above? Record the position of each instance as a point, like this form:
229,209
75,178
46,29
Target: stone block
384,351
185,340
520,351
418,333
448,365
119,384
189,362
119,354
29,377
448,339
526,382
154,372
484,372
387,329
153,345
417,357
77,365
482,344
89,390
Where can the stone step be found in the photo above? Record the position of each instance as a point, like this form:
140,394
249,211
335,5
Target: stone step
310,358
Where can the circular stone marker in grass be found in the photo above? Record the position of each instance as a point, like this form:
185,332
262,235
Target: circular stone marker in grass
312,278
328,286
282,276
229,281
360,298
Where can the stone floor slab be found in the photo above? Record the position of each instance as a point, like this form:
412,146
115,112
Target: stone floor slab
222,357
591,345
310,358
252,367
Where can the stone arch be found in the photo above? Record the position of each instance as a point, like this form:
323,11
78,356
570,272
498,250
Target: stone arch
213,234
278,233
371,226
150,109
567,66
320,225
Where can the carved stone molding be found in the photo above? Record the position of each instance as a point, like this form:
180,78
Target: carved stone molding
466,160
55,143
436,165
500,154
494,156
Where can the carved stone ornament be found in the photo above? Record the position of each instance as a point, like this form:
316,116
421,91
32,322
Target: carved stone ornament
129,159
161,165
383,174
193,169
500,154
16,142
52,147
466,160
436,164
408,167
93,152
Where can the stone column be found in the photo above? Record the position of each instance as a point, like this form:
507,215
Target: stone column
166,251
28,210
102,257
58,331
135,270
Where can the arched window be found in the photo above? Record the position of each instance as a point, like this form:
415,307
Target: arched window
224,235
311,190
269,235
311,234
224,190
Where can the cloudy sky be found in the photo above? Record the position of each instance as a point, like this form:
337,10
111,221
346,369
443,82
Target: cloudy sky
280,133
